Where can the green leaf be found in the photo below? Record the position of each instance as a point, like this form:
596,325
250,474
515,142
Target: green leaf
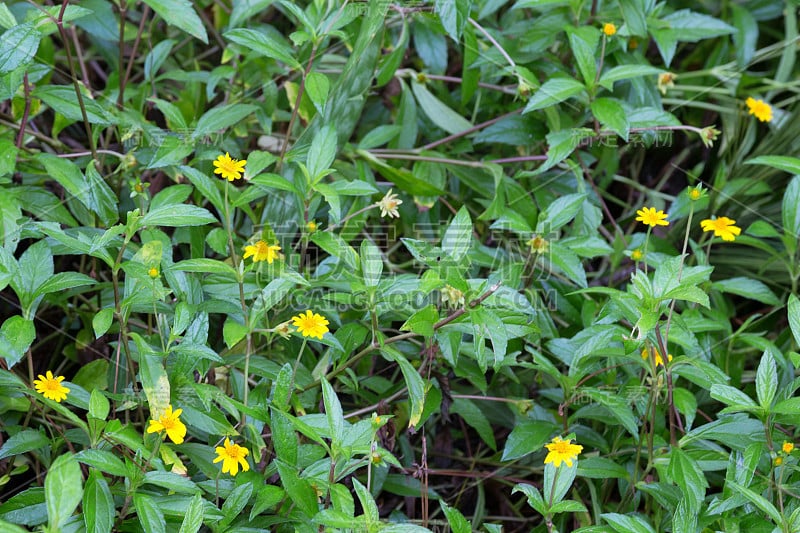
98,504
535,499
222,117
179,13
528,436
317,88
553,91
155,383
475,418
561,144
458,236
91,190
99,405
16,336
207,266
456,520
766,380
371,263
790,211
62,99
236,502
63,281
633,12
584,41
781,162
18,47
274,181
438,112
601,468
559,213
267,46
149,515
687,475
414,383
568,506
793,311
24,442
63,489
333,413
103,460
299,490
626,72
422,321
757,500
787,407
557,481
454,15
627,523
486,323
610,113
749,288
731,396
193,519
322,153
175,216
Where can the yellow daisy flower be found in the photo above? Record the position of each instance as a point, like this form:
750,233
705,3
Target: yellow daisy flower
722,227
169,422
652,217
229,168
232,455
759,108
787,447
561,450
637,255
50,387
659,359
261,251
311,324
609,29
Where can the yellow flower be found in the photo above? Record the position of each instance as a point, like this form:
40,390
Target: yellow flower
311,324
261,251
50,387
651,217
609,29
659,359
232,455
311,226
778,461
666,81
637,255
759,108
561,450
229,168
722,227
787,447
169,422
153,272
695,193
388,205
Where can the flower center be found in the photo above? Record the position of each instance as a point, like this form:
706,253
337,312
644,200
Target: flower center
233,452
168,423
561,447
52,385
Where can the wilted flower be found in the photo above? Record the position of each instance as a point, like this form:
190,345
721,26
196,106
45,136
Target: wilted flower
659,359
453,297
666,80
538,244
388,205
708,135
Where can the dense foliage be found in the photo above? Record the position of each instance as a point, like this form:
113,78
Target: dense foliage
399,266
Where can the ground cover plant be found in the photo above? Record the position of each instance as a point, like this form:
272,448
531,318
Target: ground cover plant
451,265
